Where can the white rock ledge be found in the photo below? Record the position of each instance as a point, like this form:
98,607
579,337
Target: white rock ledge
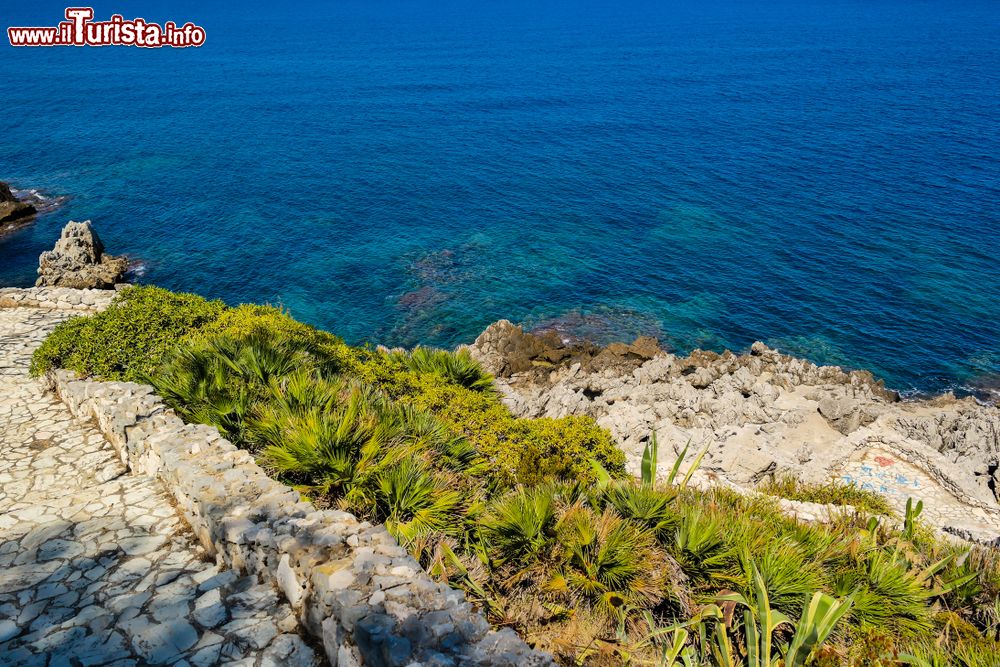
351,584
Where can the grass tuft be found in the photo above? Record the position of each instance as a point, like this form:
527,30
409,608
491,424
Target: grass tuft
830,493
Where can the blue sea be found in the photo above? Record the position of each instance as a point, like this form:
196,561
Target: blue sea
822,175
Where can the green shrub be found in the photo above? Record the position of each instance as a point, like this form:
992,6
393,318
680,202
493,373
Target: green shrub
387,373
521,451
61,345
253,321
129,339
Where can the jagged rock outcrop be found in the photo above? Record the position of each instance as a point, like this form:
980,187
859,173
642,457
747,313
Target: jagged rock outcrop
78,261
12,209
762,412
507,349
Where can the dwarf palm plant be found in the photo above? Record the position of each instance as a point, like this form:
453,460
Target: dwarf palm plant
646,506
699,546
330,447
608,560
789,577
889,594
519,529
340,437
413,502
455,367
426,432
200,391
219,381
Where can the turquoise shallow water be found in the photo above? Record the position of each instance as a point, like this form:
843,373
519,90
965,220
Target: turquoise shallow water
823,176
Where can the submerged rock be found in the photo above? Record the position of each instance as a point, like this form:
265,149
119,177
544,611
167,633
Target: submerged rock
11,208
78,261
506,349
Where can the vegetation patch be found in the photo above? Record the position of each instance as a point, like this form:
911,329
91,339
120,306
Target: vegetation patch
830,493
129,339
535,519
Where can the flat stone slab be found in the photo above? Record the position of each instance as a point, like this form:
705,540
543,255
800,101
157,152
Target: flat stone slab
885,472
96,566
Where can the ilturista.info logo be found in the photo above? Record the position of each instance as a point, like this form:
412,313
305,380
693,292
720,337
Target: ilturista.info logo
80,29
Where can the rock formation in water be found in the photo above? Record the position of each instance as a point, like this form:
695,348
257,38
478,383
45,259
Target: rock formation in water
759,413
78,261
13,210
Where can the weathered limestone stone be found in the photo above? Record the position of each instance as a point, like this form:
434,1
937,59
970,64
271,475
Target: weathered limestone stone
12,210
78,261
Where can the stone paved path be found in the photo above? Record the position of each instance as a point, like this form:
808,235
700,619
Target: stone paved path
95,565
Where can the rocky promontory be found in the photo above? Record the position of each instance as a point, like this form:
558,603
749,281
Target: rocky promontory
763,413
12,209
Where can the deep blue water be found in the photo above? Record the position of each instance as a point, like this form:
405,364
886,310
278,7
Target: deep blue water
823,175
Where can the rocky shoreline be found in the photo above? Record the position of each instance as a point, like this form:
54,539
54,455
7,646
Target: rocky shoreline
763,413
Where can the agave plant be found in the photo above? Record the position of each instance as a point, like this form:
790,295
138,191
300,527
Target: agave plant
650,461
455,367
910,518
648,465
668,644
761,622
757,638
816,624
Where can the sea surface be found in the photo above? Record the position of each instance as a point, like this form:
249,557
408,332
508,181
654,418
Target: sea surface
822,175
